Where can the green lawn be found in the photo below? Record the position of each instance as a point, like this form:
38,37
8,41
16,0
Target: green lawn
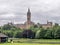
33,42
26,44
37,40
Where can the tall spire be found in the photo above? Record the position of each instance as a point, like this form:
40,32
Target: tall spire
28,15
28,10
28,18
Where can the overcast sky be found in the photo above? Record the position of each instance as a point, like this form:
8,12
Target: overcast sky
41,11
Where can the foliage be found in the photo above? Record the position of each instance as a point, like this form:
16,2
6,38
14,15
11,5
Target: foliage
28,34
37,36
48,34
34,32
18,35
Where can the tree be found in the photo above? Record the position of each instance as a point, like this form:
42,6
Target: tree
35,26
57,34
55,30
48,34
37,35
40,33
56,24
9,34
18,35
28,34
7,27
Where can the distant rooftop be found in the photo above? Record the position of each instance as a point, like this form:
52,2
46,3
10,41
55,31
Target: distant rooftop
3,35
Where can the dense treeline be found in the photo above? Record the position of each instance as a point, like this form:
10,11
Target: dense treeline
34,32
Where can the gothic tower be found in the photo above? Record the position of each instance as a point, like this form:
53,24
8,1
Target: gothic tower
28,18
28,15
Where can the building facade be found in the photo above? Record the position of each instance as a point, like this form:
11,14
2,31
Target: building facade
47,25
29,23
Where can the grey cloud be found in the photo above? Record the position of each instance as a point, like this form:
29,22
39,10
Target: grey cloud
42,10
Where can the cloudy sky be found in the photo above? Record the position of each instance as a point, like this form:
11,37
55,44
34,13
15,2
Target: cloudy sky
41,11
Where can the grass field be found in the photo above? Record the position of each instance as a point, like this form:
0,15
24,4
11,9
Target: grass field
45,41
25,44
33,42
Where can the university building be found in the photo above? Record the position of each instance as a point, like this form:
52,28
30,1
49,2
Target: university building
29,23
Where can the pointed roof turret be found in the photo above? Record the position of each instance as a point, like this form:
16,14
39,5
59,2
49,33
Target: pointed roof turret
29,10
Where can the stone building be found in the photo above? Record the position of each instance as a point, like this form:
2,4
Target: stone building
45,26
28,23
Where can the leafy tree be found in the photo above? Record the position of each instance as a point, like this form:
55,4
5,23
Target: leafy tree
18,35
56,25
7,27
54,31
57,34
48,34
35,26
28,34
37,35
9,34
40,33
